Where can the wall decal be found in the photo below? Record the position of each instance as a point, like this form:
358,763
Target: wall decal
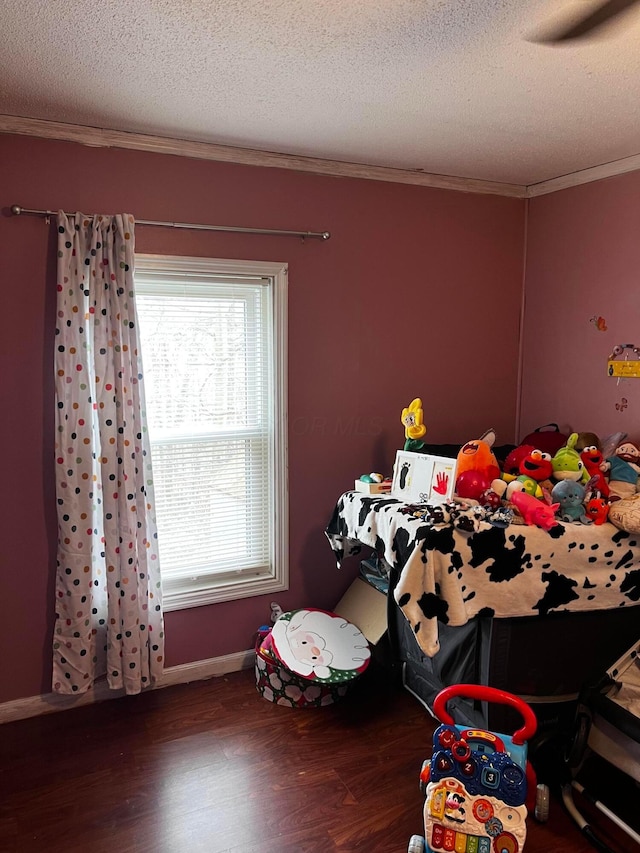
599,323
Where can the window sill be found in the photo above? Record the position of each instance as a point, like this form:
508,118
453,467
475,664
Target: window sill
185,597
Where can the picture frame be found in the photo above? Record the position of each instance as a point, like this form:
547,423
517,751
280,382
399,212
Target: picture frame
423,478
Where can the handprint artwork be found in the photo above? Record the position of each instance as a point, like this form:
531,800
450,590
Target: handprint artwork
442,480
441,483
422,478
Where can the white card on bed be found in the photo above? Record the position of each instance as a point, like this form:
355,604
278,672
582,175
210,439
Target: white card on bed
422,478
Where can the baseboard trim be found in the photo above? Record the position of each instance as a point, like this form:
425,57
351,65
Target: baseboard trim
49,703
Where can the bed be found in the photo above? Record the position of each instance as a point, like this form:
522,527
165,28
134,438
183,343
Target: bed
513,606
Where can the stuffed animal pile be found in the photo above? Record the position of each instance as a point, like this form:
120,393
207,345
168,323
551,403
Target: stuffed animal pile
578,484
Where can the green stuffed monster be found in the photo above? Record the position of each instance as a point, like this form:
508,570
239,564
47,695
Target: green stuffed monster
567,464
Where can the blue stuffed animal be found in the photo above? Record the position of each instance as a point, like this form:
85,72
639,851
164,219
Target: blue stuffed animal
570,495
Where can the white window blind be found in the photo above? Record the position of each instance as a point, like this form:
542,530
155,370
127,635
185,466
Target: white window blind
213,350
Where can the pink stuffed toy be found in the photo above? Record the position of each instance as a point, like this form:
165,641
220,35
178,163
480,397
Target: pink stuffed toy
534,511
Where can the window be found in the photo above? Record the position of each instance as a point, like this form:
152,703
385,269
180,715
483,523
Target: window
213,337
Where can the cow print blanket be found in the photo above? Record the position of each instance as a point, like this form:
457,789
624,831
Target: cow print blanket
450,573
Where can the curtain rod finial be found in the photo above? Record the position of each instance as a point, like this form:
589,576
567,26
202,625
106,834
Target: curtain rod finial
16,209
326,235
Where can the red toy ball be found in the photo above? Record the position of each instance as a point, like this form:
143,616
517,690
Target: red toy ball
471,484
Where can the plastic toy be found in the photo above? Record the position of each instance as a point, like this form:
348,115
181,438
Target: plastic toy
479,785
472,484
595,465
570,496
478,456
567,464
373,484
372,478
535,511
414,428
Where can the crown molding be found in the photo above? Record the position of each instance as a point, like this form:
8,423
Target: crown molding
98,137
585,176
105,138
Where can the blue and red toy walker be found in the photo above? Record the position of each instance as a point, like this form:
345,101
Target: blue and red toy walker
479,785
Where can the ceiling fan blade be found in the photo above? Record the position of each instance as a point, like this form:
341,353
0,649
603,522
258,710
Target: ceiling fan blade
600,16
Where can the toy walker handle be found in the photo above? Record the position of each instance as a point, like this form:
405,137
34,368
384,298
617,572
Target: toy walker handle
487,694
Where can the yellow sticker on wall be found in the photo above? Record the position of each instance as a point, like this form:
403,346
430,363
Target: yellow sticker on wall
624,369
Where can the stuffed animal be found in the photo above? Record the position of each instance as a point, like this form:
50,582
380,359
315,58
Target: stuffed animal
630,452
534,468
569,495
597,509
511,464
623,470
596,466
567,464
587,439
477,456
414,428
535,511
611,442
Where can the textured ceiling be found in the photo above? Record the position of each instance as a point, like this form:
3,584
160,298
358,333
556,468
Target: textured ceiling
449,87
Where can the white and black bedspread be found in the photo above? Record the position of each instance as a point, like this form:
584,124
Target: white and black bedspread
449,575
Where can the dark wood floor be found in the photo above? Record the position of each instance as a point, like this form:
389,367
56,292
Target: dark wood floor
214,767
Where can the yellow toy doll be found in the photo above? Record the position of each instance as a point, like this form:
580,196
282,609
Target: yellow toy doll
414,428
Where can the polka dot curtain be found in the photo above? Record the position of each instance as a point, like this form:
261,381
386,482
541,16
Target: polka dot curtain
108,596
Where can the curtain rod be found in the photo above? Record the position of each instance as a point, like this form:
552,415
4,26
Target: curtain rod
16,210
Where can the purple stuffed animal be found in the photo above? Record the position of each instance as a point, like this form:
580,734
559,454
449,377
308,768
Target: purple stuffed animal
535,511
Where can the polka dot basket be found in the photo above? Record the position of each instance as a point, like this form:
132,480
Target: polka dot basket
313,685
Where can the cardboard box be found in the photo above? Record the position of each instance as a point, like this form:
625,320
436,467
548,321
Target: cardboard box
373,488
366,608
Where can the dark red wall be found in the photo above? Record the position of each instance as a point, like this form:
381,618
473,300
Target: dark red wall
583,298
417,293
